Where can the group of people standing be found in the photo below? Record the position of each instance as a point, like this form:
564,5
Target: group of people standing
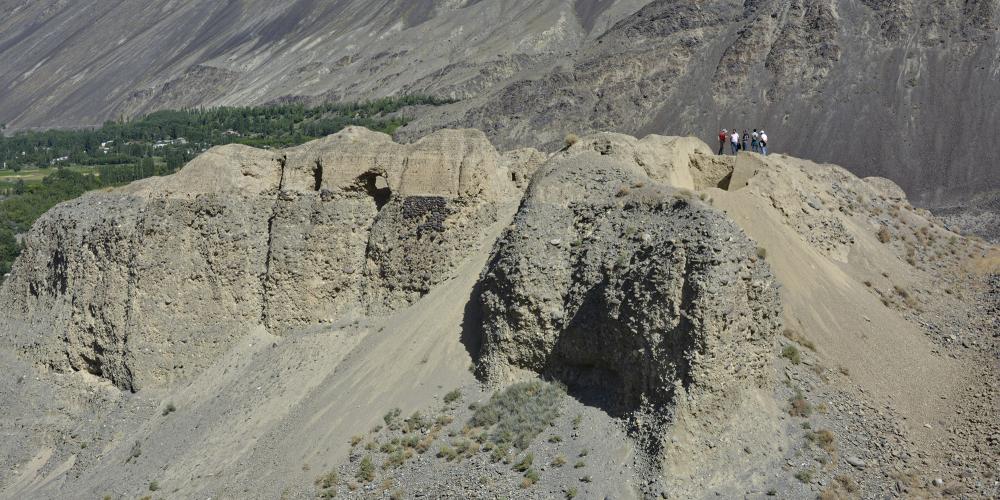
756,140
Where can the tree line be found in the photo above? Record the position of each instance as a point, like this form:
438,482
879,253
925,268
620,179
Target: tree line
127,141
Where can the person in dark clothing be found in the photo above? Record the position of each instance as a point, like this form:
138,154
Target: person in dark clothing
746,139
723,136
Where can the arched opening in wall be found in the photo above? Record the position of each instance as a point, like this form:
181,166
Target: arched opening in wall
377,186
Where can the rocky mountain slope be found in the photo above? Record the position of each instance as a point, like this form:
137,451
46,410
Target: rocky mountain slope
329,320
904,90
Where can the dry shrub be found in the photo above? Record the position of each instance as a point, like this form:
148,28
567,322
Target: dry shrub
846,483
824,439
520,413
570,140
798,338
792,353
800,407
883,235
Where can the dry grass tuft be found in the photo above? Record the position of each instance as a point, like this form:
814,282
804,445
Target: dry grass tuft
824,439
883,235
520,413
799,406
792,353
798,338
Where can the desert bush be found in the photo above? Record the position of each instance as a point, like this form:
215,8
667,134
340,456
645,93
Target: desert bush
153,486
571,493
499,453
525,463
559,461
396,459
135,452
884,235
170,408
463,446
366,471
328,480
447,452
570,140
530,478
824,439
792,353
846,483
521,412
453,396
579,464
804,476
410,441
392,416
417,422
795,336
800,407
424,444
355,440
761,252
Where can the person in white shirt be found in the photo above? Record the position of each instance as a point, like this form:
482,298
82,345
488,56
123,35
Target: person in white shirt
763,143
734,141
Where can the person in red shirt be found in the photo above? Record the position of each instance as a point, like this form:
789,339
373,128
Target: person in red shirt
723,136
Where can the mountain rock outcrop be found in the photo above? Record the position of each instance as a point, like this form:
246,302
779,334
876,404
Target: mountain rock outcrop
625,286
149,283
899,89
903,90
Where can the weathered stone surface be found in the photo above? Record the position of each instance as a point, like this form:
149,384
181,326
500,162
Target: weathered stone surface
624,287
149,283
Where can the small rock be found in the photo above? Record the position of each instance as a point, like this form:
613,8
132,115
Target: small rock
937,482
856,462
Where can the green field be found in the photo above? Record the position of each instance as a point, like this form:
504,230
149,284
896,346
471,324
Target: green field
34,176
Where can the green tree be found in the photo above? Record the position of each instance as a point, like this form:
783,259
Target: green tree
9,250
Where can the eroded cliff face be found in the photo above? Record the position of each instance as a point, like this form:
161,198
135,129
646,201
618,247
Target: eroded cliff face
629,289
148,284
